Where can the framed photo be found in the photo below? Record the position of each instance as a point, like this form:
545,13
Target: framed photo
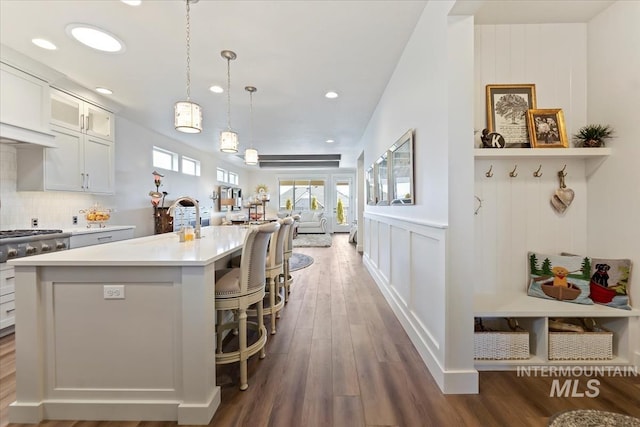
546,128
507,106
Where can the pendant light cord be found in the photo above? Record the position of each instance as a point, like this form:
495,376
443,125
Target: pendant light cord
188,54
229,93
251,117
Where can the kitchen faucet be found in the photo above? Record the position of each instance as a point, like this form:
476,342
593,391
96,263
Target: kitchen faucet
173,206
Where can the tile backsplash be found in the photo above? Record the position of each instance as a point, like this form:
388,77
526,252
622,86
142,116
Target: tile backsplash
54,209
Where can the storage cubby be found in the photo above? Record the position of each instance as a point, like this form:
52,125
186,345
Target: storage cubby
533,315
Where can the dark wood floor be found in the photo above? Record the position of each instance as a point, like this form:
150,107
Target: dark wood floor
340,358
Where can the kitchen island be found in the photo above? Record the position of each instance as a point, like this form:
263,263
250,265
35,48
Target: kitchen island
120,331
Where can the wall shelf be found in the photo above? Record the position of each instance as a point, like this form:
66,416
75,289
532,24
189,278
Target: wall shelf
515,153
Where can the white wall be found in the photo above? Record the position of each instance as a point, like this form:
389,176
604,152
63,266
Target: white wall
406,247
134,179
614,98
516,216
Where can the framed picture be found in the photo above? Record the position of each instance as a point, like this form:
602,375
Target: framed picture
546,128
507,106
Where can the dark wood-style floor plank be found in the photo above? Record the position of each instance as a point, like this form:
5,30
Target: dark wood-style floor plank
341,358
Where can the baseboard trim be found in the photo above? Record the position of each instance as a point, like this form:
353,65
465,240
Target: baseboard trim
131,410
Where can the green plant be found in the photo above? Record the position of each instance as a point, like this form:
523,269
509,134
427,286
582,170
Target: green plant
314,203
593,135
288,205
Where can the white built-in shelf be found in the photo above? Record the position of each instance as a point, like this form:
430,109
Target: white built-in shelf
522,305
513,153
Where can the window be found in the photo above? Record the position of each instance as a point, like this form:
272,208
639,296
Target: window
221,175
190,166
233,178
226,176
165,159
304,194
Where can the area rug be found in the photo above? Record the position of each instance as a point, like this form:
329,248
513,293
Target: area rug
312,241
299,261
592,418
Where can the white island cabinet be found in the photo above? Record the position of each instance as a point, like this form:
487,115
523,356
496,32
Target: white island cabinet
120,331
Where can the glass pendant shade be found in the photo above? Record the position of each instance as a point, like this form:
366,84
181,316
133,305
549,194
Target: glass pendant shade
251,156
188,117
228,141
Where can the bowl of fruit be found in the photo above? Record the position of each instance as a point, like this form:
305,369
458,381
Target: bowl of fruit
96,215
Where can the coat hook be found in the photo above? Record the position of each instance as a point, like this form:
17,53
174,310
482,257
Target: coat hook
479,205
562,172
513,173
538,174
489,174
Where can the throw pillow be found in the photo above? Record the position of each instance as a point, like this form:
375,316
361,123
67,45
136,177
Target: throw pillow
563,278
609,283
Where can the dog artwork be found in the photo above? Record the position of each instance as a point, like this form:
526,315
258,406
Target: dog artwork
601,275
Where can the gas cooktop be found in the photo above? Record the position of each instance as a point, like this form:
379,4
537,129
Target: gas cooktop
27,232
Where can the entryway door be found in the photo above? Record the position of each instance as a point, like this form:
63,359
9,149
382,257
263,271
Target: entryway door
342,202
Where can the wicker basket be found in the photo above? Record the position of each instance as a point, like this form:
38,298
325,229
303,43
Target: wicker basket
581,345
501,345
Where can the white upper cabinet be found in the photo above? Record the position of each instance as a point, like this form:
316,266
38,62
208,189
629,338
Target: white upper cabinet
75,114
24,107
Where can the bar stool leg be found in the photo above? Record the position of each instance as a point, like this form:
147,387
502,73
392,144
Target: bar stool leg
242,319
261,328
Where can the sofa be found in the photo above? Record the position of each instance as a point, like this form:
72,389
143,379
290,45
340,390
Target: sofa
312,222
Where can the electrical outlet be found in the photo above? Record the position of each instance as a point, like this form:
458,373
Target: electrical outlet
34,222
113,291
74,220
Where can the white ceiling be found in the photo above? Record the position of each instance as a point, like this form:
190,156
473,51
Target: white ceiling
292,51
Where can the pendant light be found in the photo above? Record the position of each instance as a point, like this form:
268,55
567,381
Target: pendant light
188,115
228,138
251,154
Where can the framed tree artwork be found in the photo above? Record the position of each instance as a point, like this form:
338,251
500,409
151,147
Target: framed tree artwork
507,106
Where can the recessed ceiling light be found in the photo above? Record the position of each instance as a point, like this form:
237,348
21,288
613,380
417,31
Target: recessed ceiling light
331,95
330,141
45,44
95,38
104,91
216,89
132,2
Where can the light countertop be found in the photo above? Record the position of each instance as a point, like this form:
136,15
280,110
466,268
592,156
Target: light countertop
157,250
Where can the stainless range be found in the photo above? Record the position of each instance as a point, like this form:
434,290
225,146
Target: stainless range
21,243
17,244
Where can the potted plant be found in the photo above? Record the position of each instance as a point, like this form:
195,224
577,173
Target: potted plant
593,135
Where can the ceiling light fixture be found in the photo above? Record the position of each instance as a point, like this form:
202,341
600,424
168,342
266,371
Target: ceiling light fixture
188,115
216,89
95,38
104,91
132,2
228,138
45,44
331,95
251,154
330,141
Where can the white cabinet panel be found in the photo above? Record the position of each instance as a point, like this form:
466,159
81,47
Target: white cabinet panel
24,100
99,237
80,163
